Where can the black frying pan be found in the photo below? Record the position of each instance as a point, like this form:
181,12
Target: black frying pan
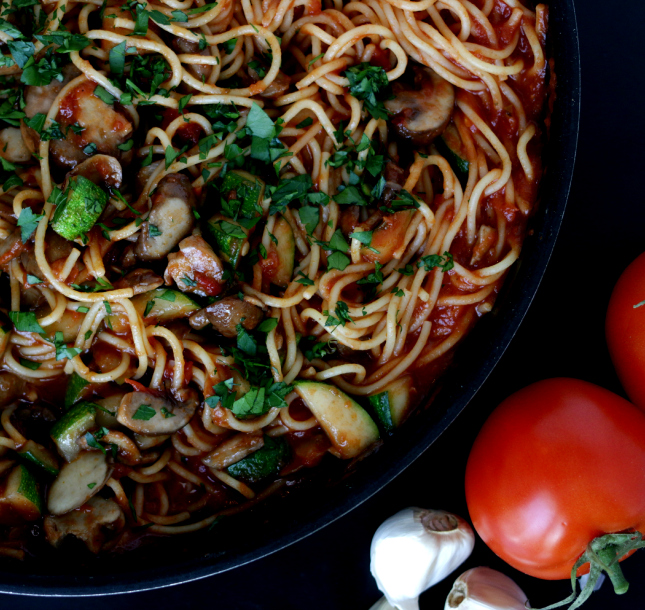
329,495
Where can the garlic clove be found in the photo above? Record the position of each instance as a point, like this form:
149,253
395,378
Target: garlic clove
485,589
415,549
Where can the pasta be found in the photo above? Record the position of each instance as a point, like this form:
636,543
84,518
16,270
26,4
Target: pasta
241,236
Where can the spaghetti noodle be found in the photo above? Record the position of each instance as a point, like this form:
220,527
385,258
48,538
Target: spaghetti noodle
240,236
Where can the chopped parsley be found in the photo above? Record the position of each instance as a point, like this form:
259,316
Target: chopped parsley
432,261
144,412
26,321
28,222
370,84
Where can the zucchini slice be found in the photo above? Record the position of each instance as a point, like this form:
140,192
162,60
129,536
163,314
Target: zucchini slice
227,237
75,389
286,251
35,453
67,431
349,427
265,462
449,144
245,187
77,482
79,212
20,498
164,305
393,403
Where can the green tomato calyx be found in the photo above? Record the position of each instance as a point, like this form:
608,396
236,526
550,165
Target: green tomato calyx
602,555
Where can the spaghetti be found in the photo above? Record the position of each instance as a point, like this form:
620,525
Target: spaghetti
240,236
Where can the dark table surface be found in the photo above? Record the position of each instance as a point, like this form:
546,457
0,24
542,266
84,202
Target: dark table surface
562,335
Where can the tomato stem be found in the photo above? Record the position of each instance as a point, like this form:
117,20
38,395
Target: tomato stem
602,555
609,557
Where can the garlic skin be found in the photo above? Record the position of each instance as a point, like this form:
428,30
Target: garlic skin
415,549
485,589
382,604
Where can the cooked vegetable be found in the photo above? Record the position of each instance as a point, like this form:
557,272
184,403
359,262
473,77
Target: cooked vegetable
77,482
392,404
150,414
68,324
40,456
349,427
485,589
140,280
86,524
80,211
164,304
625,330
415,549
12,146
102,170
285,248
233,450
170,220
71,427
557,467
99,127
421,110
228,237
195,268
20,499
225,315
76,386
247,188
263,463
388,237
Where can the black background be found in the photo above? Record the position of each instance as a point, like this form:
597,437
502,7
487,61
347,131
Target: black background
562,335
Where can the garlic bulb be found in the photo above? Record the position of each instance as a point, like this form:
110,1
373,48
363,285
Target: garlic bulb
416,548
485,589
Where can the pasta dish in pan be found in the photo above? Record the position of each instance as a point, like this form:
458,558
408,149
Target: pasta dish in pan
242,237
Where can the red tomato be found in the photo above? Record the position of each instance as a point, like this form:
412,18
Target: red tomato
556,465
625,330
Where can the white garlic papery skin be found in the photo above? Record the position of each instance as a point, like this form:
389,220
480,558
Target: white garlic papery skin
415,549
382,604
485,589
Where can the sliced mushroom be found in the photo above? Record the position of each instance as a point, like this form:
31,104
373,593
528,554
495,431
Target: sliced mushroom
148,442
421,111
195,268
226,314
87,524
234,449
38,100
151,415
170,220
102,170
102,125
77,482
140,280
12,146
